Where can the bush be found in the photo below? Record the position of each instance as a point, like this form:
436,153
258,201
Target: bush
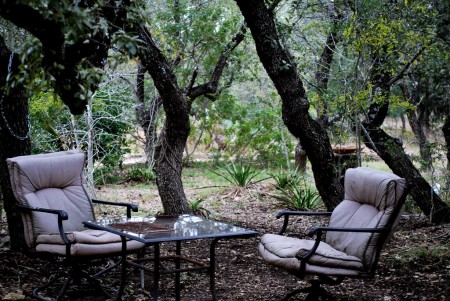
198,209
239,174
296,197
283,179
141,174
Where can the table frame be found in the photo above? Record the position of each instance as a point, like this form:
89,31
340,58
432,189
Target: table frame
178,258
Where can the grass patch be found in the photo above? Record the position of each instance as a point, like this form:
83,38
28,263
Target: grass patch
427,257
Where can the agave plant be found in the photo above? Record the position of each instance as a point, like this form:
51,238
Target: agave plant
238,174
283,179
198,209
296,197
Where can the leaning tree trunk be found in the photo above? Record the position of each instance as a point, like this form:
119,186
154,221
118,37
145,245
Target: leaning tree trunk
169,153
446,131
295,106
391,151
14,141
393,154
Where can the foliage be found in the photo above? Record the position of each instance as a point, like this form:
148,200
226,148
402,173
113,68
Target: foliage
107,175
423,256
283,179
238,174
297,197
198,209
250,129
141,174
54,128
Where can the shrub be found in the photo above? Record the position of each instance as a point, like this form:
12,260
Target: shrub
283,179
141,174
296,197
239,174
198,209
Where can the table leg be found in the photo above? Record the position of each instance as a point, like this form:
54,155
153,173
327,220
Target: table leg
212,268
177,273
123,276
156,273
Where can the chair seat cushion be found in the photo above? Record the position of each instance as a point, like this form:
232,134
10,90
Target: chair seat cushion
283,251
85,243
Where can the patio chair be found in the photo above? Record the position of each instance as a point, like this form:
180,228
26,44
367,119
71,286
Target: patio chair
358,229
53,203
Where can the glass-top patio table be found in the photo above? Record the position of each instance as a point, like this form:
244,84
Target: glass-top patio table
152,231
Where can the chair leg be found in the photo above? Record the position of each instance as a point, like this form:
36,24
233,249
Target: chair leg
37,291
74,276
314,292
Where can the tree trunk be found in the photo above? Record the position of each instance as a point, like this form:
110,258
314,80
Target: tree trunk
446,131
312,135
419,133
391,151
300,158
14,130
169,153
322,74
147,117
393,154
417,124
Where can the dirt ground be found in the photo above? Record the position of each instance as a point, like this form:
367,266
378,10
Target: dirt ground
415,265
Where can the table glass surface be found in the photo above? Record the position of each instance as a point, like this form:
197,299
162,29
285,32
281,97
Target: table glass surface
160,229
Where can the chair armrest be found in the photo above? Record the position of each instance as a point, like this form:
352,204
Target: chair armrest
287,213
62,215
319,230
130,207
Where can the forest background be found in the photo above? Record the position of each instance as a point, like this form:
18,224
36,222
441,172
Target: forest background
191,81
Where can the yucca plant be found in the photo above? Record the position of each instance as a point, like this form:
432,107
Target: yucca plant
285,178
198,209
296,197
238,174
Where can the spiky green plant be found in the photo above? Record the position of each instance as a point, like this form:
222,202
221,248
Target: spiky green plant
198,209
296,197
285,178
238,174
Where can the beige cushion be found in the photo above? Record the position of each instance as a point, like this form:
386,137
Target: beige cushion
282,251
54,181
86,236
370,200
88,242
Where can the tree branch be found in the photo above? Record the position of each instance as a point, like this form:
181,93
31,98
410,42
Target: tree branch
211,86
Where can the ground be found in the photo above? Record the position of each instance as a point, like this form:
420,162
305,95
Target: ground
415,265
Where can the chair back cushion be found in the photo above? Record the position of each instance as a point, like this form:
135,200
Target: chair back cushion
372,199
53,181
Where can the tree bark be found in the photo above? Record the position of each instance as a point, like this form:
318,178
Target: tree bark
300,158
391,151
177,106
93,47
322,74
416,123
14,141
312,135
169,152
446,132
147,116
